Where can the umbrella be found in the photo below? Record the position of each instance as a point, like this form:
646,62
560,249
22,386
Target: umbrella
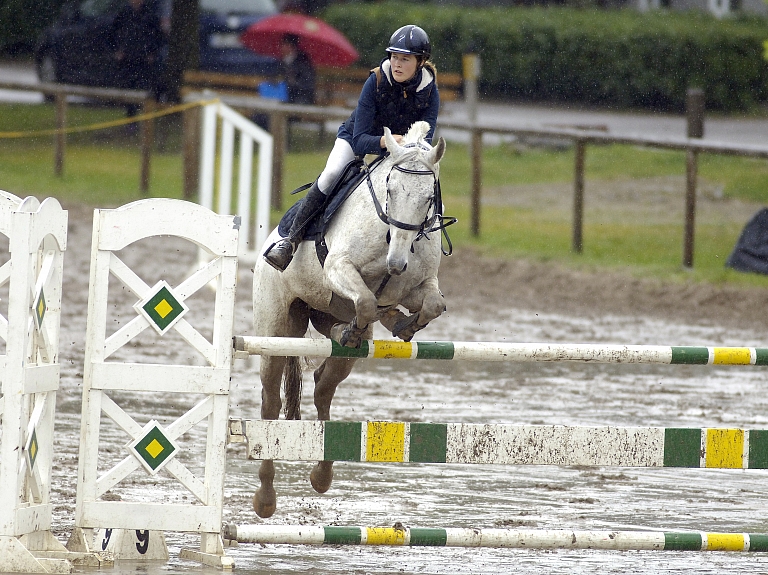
324,45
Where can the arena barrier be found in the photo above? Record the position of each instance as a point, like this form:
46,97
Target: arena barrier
216,171
508,538
37,238
151,447
497,351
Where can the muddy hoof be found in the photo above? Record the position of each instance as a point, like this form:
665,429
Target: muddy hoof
407,327
321,477
265,502
345,335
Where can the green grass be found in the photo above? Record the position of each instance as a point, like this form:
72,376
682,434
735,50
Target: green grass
102,170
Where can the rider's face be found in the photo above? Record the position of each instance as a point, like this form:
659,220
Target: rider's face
404,66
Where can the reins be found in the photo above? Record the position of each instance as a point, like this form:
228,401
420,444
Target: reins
429,224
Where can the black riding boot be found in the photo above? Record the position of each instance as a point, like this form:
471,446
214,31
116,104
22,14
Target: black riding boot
280,254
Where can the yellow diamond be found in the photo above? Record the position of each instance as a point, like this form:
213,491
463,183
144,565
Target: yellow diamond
33,450
163,308
40,307
154,448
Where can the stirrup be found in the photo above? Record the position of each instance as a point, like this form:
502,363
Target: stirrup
280,254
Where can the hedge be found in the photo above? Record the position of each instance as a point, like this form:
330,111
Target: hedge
619,58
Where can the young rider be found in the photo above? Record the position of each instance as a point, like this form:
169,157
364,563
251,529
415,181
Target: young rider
401,91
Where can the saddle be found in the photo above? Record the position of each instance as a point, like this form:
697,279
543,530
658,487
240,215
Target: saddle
351,176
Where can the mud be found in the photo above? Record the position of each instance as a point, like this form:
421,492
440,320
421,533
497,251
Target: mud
488,300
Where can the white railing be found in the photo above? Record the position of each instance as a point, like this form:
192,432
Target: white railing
217,178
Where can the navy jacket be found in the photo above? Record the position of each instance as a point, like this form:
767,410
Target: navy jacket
385,105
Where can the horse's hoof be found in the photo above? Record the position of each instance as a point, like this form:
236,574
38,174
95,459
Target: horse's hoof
350,340
407,327
321,478
265,502
343,333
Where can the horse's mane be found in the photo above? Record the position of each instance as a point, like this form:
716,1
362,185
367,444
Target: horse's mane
416,134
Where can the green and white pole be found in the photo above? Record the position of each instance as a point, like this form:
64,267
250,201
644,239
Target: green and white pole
499,351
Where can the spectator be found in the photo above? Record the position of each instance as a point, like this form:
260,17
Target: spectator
138,41
297,70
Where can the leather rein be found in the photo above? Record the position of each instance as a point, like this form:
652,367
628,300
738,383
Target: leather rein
436,222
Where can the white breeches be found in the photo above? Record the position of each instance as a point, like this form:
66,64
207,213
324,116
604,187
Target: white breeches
339,157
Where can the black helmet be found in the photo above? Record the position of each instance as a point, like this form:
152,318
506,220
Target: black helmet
410,39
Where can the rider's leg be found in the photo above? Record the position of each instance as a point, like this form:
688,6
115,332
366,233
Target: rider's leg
280,254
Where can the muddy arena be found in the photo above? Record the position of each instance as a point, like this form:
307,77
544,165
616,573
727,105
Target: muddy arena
488,300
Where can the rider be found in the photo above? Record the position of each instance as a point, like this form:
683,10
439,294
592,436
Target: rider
401,91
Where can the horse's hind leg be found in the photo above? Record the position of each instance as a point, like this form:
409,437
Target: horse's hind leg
331,372
265,498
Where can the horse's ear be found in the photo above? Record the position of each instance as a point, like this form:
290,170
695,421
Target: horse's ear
392,146
437,152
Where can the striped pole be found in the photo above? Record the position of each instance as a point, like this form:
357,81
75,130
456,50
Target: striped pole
502,444
511,538
497,351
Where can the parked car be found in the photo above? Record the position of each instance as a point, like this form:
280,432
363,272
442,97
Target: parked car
77,48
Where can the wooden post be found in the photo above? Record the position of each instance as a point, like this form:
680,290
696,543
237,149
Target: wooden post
191,151
694,112
691,169
477,171
577,243
470,74
147,139
278,125
61,137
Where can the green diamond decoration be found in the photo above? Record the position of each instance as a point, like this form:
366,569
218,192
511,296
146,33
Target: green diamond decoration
39,309
32,450
161,308
154,449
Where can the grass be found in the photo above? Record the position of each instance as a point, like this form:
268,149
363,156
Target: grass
102,169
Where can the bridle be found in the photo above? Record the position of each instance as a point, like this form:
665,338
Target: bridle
431,223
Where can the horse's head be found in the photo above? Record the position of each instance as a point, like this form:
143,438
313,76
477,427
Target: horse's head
413,201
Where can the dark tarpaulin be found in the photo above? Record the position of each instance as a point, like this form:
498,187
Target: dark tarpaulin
751,251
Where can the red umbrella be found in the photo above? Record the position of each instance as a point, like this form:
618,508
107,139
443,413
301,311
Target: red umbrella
324,45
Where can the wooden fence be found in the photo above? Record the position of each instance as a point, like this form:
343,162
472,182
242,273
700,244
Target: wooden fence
280,113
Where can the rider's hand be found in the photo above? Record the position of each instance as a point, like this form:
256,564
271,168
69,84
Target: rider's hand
398,138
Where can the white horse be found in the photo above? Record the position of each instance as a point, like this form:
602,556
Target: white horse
384,249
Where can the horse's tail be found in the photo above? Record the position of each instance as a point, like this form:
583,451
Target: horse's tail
292,383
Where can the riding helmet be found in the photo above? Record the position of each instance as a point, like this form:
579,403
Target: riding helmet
410,39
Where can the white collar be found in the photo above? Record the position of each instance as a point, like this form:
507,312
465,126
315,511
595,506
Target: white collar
426,77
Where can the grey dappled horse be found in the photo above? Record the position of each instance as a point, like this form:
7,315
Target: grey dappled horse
384,249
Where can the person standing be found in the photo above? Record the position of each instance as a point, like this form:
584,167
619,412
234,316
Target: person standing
138,40
297,71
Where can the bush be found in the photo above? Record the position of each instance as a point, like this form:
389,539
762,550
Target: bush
619,58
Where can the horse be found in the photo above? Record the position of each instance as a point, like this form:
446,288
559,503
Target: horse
379,259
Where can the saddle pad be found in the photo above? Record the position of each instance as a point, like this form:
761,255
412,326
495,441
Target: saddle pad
351,178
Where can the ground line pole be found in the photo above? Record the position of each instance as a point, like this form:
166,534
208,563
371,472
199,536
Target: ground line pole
577,243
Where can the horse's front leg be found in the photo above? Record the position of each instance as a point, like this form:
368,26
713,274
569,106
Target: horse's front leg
344,279
265,498
427,303
327,378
